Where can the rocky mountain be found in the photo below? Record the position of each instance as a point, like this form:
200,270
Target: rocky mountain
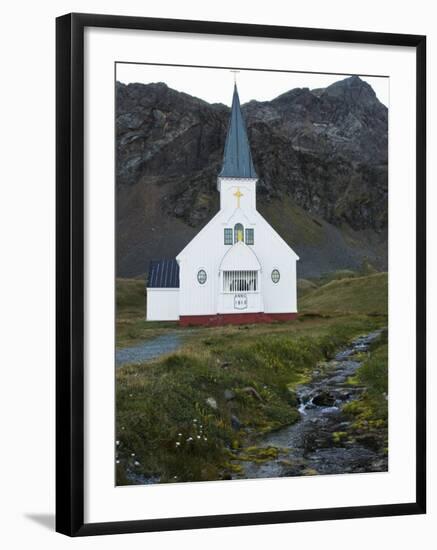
321,157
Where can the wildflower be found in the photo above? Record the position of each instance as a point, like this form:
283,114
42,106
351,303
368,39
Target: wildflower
194,420
117,442
205,439
198,437
178,443
190,439
136,463
132,454
180,435
117,462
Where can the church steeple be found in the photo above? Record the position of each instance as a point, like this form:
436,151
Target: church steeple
237,160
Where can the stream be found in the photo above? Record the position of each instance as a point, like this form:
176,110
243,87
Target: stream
307,447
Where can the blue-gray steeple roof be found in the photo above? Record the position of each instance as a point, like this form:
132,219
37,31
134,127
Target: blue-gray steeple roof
237,160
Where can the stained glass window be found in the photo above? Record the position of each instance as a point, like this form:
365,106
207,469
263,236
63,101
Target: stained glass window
238,233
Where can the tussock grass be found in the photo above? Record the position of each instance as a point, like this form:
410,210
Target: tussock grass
304,286
338,275
370,411
367,295
166,426
184,417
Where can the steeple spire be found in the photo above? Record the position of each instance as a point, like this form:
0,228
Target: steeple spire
237,160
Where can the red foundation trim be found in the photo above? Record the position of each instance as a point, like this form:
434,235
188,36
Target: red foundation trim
234,319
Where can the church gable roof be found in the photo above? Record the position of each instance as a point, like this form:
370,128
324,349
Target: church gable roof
240,257
163,274
237,161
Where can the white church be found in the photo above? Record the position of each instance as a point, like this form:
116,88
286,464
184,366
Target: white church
237,269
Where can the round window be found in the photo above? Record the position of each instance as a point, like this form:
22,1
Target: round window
201,276
275,276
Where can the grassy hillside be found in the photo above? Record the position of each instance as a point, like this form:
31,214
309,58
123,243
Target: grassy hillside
130,298
341,293
184,416
305,286
181,418
365,295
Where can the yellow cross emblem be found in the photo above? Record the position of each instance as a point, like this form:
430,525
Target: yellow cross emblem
238,194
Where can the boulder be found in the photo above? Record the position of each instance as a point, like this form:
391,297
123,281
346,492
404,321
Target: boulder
235,423
324,399
252,391
229,395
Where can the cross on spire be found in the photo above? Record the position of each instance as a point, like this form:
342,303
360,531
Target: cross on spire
235,71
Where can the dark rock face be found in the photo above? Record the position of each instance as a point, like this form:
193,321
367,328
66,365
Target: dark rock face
321,155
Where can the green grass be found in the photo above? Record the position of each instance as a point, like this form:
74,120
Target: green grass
338,293
130,298
338,275
305,286
370,411
366,295
259,364
291,220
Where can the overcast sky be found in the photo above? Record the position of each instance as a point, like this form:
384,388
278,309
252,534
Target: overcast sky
216,85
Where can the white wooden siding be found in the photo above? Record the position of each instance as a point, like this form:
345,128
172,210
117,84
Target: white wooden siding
162,304
207,251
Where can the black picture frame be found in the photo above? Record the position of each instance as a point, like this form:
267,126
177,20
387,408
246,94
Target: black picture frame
70,273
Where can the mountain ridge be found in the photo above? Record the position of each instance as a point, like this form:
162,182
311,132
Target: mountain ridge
321,159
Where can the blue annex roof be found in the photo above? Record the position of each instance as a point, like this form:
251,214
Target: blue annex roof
237,160
163,274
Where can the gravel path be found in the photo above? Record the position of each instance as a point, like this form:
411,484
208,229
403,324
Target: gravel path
152,349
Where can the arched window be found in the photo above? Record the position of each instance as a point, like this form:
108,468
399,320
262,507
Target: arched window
238,233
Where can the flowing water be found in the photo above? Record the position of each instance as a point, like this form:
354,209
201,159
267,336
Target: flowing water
307,446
